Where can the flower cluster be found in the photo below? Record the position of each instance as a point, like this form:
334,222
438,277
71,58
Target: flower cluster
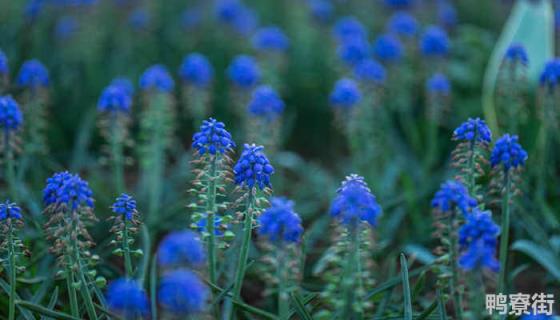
11,117
265,103
280,222
447,14
348,28
345,94
65,27
474,130
353,50
434,42
114,98
196,70
355,202
321,10
508,152
157,78
236,15
453,194
4,66
370,71
127,299
125,206
399,4
244,72
125,84
67,189
270,39
9,210
550,76
403,24
478,239
438,84
182,293
181,248
33,74
212,138
516,54
253,168
388,48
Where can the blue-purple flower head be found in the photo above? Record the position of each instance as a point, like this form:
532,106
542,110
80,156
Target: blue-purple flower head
127,299
9,210
399,4
403,24
270,39
181,249
69,190
354,203
349,27
125,84
477,240
139,19
550,76
237,16
157,78
4,66
125,206
213,138
202,225
33,8
537,316
438,84
346,94
114,98
447,14
321,10
253,168
244,72
516,53
191,18
182,293
196,70
266,103
453,195
11,117
353,50
370,71
474,130
33,74
280,222
508,153
66,27
388,48
434,42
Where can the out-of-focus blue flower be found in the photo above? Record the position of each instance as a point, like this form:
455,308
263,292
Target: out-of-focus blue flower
244,72
270,39
33,8
180,249
550,77
434,42
349,27
370,71
399,4
354,202
388,48
508,152
201,225
9,210
33,74
453,194
125,84
236,15
321,10
212,138
403,24
353,50
266,103
65,27
473,130
182,293
191,18
196,70
346,94
447,14
534,316
4,66
516,54
114,98
157,78
125,206
139,19
67,189
253,168
11,117
438,84
127,299
477,240
280,222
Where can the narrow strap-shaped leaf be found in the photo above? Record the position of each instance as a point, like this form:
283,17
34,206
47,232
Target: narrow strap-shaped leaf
544,256
44,311
395,281
305,300
153,287
109,314
428,311
406,289
24,312
299,306
244,306
52,303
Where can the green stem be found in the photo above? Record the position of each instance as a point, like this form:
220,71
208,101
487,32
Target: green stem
117,153
504,239
10,172
72,292
283,303
12,266
477,294
471,179
454,281
350,277
126,250
211,209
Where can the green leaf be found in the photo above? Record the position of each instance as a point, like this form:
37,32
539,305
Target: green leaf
26,314
420,253
52,303
428,311
395,281
244,306
406,289
44,311
544,256
300,306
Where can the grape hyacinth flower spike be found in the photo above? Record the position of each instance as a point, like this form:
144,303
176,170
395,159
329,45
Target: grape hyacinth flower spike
512,86
11,122
4,71
181,249
245,74
182,294
33,75
388,48
438,91
345,94
264,119
348,28
196,74
270,39
403,24
127,299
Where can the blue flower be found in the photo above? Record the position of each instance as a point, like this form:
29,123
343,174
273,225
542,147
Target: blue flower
516,53
388,48
11,117
181,248
473,130
125,206
33,8
399,4
477,240
196,70
550,77
453,195
253,168
127,299
236,15
9,210
157,78
201,225
438,84
345,94
280,222
139,19
67,189
125,84
349,27
434,42
353,50
65,27
354,202
244,72
212,138
270,39
403,24
321,10
447,14
370,71
182,293
114,98
33,74
508,152
191,18
4,66
534,316
265,103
